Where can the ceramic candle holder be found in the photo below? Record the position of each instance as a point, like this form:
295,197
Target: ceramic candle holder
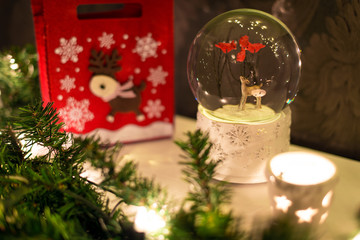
301,186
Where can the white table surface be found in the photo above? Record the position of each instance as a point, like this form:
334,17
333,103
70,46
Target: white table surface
159,159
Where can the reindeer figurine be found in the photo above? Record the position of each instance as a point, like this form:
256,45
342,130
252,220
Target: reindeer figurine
246,91
121,97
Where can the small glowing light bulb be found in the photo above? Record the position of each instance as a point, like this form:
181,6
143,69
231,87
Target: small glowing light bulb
14,66
148,221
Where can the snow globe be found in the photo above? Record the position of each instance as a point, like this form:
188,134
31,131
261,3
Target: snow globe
243,69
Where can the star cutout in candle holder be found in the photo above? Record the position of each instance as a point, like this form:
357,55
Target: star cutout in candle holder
327,199
282,203
323,217
306,215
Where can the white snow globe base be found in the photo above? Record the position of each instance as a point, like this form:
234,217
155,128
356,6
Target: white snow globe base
245,146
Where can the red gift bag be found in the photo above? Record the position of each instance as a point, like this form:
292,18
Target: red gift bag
108,68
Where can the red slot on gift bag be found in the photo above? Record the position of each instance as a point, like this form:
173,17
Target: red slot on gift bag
108,68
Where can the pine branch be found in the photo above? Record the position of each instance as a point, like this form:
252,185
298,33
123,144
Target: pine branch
126,183
200,170
205,219
33,185
282,227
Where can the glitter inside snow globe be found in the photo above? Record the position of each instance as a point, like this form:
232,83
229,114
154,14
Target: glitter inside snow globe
244,66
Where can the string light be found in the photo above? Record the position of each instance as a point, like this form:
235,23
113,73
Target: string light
14,66
148,220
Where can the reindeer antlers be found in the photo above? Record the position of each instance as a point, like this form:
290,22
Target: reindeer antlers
104,65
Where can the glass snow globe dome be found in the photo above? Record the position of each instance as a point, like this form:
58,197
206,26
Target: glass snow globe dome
244,66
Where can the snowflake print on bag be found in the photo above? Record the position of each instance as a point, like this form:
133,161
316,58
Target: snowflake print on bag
154,108
106,40
68,50
146,47
157,76
67,83
76,113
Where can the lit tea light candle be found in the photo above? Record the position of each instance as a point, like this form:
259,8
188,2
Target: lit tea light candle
301,186
302,168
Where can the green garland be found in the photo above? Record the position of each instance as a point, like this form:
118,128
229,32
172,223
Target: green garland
45,196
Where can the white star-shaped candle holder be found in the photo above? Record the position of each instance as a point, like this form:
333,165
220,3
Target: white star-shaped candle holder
301,186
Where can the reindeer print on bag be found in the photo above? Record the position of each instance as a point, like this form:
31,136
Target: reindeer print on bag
122,97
